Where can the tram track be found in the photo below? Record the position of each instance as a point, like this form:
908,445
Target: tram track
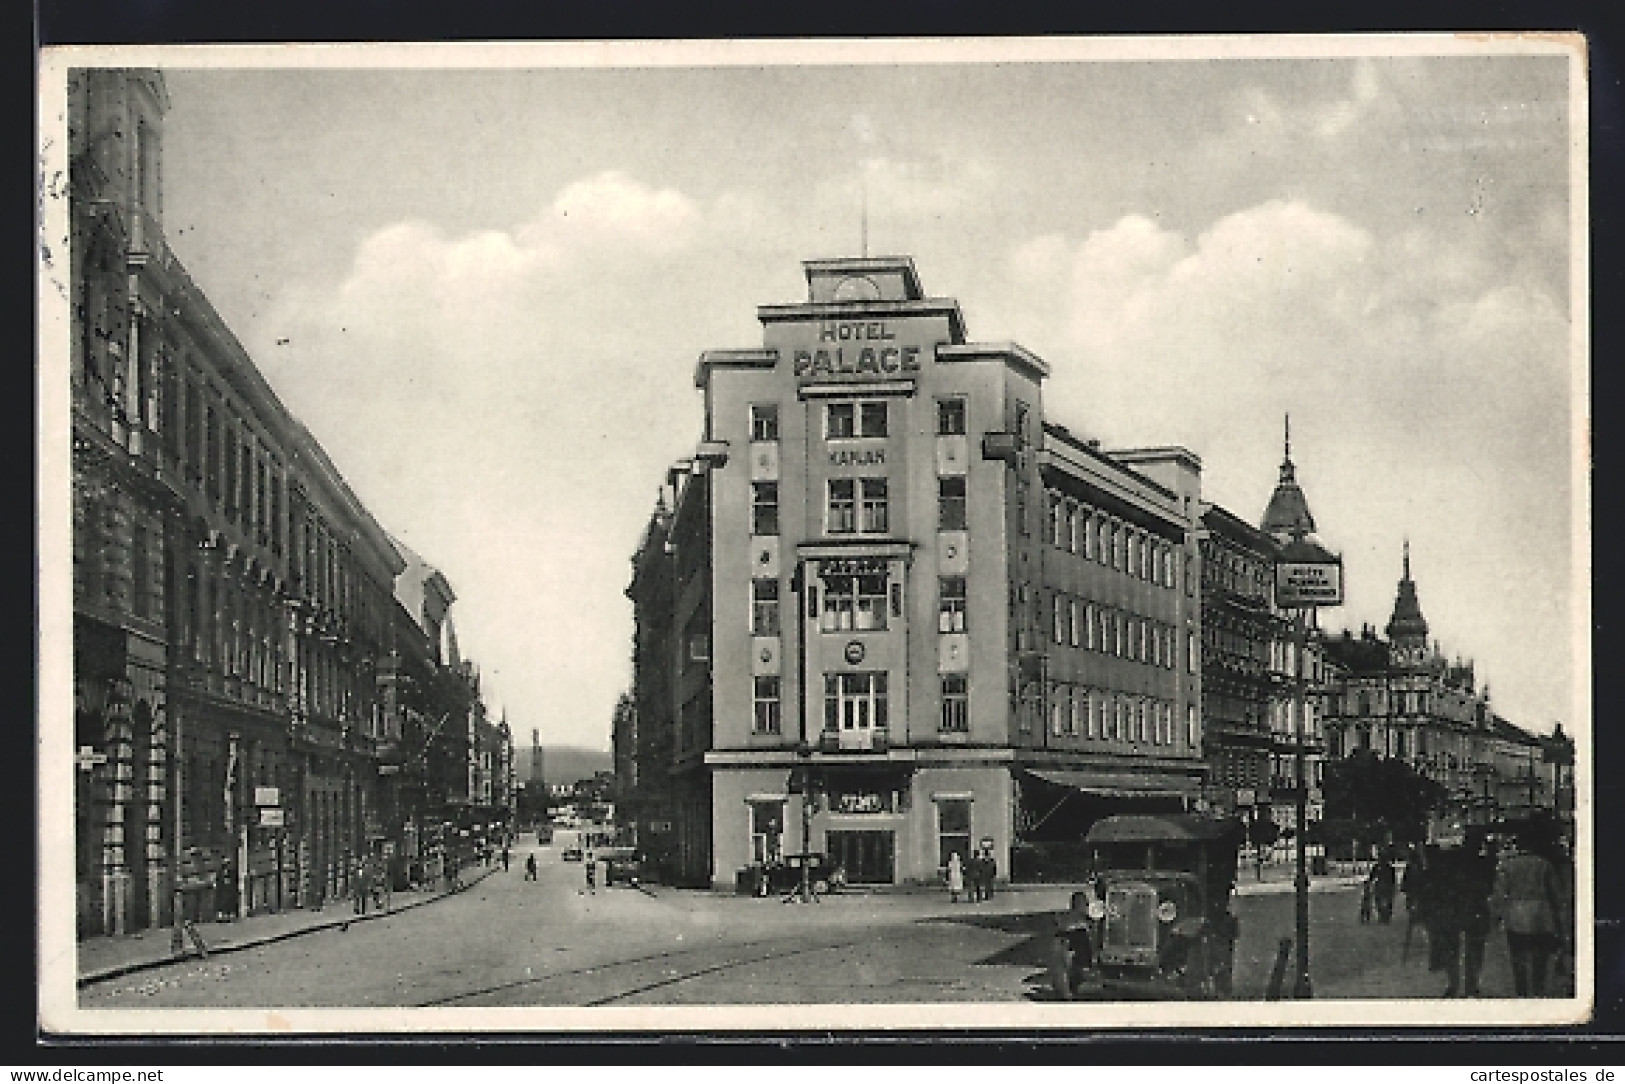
664,981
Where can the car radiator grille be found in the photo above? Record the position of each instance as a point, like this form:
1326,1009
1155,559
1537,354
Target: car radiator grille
1131,917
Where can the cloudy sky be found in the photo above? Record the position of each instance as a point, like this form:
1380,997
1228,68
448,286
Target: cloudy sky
484,292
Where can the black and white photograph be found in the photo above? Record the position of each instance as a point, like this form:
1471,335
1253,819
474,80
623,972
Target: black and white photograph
1050,533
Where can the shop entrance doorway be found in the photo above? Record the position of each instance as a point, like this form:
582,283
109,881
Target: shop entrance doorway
868,857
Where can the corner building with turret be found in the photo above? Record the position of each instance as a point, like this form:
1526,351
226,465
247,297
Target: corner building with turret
886,612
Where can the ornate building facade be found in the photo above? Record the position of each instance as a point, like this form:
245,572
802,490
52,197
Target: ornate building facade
233,600
1402,697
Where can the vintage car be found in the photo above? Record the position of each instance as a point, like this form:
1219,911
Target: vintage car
622,865
572,853
1155,918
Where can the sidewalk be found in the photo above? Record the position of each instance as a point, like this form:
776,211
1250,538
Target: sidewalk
101,958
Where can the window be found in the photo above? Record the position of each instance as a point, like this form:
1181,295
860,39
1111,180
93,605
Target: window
955,704
843,420
1057,710
1074,627
843,506
764,421
951,604
765,705
840,420
1103,541
1119,723
1132,548
854,602
857,504
764,607
953,829
872,419
951,503
1190,725
1086,532
1079,708
1057,520
872,506
1090,624
950,417
764,508
855,700
1119,634
766,832
1190,652
1096,709
1058,612
1117,547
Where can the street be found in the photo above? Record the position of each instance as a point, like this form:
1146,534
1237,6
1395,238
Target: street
509,942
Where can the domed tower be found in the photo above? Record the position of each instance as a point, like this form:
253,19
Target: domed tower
1407,628
1287,516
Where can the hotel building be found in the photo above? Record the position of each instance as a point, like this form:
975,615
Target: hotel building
887,611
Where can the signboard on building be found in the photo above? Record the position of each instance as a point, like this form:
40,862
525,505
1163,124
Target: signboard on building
1307,575
271,818
267,796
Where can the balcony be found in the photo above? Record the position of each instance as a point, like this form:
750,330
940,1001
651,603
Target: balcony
854,741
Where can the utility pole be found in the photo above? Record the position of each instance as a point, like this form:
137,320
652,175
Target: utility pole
1302,988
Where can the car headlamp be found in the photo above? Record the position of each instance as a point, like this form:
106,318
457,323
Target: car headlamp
1166,911
1097,907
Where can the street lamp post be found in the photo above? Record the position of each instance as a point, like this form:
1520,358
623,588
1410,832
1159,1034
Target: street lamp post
1307,576
1302,988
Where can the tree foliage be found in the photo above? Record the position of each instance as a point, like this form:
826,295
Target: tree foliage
1378,795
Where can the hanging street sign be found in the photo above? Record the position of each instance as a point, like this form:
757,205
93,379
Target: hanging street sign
271,818
1307,575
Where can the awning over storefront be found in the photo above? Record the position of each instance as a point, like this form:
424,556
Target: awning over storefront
1120,784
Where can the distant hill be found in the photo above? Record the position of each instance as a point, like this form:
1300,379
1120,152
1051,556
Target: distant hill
563,763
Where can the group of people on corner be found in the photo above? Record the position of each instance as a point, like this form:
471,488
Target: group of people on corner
1457,894
971,877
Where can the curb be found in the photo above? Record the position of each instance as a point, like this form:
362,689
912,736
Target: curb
115,971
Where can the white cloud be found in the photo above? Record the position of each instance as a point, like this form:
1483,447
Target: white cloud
1446,379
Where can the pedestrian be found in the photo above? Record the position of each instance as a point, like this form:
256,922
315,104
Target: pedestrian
1456,904
358,885
504,858
592,872
1411,885
1365,901
974,873
1479,880
530,867
956,877
1528,899
990,872
1382,881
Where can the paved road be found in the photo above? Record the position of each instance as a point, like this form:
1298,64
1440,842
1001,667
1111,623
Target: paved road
507,941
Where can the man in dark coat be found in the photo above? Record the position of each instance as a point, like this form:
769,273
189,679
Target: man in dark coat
1456,905
1382,885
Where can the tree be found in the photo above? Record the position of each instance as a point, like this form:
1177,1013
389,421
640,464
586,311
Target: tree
1378,795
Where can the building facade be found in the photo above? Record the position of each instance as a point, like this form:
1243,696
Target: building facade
1240,682
886,612
1401,697
233,600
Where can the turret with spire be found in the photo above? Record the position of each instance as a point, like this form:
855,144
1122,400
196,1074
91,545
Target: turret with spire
1287,516
1407,628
